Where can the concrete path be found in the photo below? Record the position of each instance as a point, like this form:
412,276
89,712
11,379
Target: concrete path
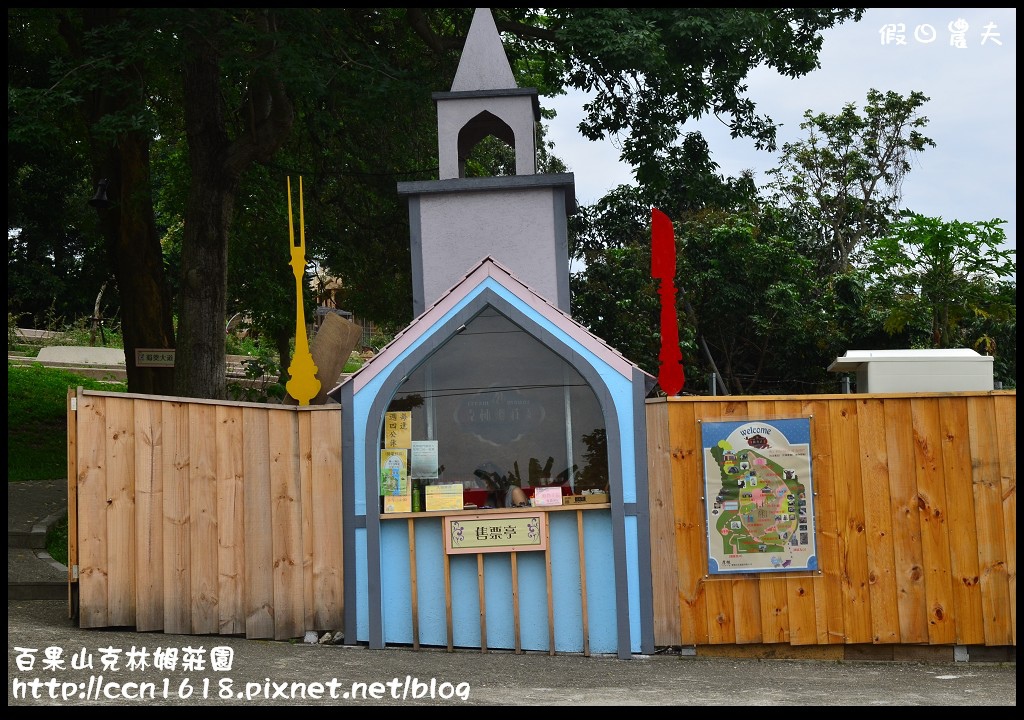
81,355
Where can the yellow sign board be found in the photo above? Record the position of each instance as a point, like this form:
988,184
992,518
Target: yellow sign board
397,504
447,496
398,429
505,532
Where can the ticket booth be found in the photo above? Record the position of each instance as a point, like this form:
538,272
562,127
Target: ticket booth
495,387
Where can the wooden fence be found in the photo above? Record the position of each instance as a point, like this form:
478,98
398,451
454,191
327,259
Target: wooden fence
196,517
916,525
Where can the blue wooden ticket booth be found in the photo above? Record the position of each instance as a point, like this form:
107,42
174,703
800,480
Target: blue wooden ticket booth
494,384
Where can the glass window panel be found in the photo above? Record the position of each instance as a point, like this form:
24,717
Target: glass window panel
499,401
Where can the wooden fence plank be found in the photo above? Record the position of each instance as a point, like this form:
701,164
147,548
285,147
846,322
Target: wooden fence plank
328,576
850,522
828,587
690,531
718,588
149,506
933,511
773,591
963,530
800,620
664,578
259,540
230,521
908,557
203,537
1006,427
176,521
749,606
306,502
286,521
885,621
120,516
92,513
988,508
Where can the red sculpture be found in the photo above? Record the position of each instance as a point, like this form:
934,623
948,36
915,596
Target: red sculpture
671,376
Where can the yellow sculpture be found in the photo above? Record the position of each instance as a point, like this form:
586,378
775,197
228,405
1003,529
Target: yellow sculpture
303,385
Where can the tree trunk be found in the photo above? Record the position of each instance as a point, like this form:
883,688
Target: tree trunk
96,323
217,163
204,249
203,301
128,224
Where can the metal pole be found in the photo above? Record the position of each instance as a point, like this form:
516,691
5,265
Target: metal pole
844,384
713,382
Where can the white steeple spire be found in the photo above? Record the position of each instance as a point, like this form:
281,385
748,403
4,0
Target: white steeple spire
484,65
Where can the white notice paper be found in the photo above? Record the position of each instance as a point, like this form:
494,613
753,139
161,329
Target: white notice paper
424,459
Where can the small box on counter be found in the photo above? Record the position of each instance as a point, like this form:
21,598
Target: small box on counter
447,496
586,499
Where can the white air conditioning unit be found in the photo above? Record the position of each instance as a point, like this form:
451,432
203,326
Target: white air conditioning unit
897,371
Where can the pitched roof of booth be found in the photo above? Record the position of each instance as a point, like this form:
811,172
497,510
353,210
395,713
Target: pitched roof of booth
488,267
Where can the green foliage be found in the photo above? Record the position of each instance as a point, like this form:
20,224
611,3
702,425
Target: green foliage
755,300
951,283
846,176
37,420
262,374
652,69
353,363
618,301
81,332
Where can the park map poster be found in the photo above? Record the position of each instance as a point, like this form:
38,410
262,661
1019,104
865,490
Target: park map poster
758,496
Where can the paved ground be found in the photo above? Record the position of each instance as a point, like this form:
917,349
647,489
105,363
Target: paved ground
269,673
272,673
32,509
75,355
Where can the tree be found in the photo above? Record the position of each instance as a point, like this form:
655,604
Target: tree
118,132
652,69
846,176
251,83
755,299
614,294
56,260
940,275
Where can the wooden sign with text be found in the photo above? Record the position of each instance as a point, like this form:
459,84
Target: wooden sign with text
504,532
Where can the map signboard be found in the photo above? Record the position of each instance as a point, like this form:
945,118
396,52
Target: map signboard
759,496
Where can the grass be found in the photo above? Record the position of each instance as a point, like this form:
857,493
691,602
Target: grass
37,420
37,431
57,541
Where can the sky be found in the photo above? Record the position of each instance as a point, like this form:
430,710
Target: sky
970,77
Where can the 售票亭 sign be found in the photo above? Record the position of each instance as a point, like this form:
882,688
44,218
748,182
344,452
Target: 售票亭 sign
512,532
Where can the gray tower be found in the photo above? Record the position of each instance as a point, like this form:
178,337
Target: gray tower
519,220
